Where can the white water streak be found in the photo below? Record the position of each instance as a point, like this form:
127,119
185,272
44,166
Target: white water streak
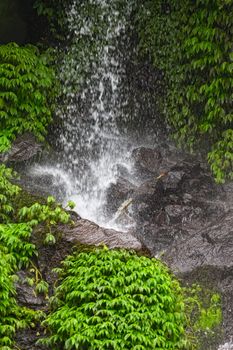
91,142
227,346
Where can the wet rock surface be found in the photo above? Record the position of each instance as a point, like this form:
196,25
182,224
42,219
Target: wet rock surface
117,193
146,161
24,148
85,233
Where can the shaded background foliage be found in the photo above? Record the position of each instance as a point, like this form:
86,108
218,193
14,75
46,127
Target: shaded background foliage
191,43
26,90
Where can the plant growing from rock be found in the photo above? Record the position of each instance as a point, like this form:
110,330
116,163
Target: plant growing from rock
8,193
114,299
15,253
205,307
49,214
26,85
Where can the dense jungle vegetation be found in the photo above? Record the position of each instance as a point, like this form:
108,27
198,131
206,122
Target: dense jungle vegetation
123,301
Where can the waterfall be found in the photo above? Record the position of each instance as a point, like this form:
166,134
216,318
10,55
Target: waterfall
92,142
106,109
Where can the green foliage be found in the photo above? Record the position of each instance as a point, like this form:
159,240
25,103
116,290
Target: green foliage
204,306
50,214
116,300
8,193
191,43
71,205
15,253
8,307
15,238
25,88
212,316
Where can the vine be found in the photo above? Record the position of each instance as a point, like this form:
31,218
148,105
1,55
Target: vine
49,214
8,192
191,43
17,252
26,93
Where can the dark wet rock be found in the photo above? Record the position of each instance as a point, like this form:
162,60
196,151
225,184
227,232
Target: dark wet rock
26,295
117,193
147,199
158,238
176,213
208,255
25,147
213,245
43,184
122,171
147,161
26,339
172,180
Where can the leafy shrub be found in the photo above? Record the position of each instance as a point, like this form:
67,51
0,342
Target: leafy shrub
16,252
25,86
15,239
8,192
116,300
8,306
50,214
191,43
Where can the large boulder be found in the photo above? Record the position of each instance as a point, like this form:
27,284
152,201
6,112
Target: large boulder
146,161
117,193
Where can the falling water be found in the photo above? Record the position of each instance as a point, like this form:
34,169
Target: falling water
92,141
